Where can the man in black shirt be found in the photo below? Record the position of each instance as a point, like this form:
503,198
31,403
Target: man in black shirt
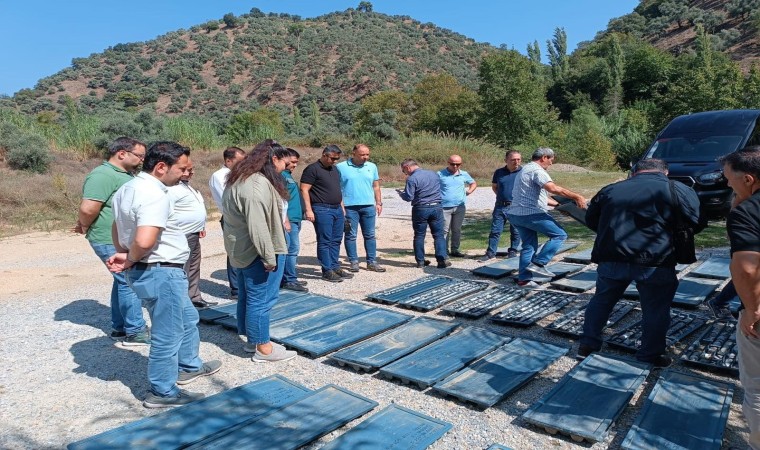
634,224
742,169
323,205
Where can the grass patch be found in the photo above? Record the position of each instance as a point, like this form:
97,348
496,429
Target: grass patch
477,227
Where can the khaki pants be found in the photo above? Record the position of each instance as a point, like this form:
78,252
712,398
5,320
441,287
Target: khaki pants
749,375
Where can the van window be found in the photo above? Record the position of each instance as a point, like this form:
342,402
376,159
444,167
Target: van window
693,148
754,139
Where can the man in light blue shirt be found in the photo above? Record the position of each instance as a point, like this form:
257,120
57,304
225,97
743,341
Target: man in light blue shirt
456,185
360,185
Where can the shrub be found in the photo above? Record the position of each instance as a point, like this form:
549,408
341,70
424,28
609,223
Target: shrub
30,152
253,127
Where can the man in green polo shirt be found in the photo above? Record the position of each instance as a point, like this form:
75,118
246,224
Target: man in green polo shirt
95,220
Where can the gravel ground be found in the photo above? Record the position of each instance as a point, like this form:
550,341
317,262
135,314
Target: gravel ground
65,379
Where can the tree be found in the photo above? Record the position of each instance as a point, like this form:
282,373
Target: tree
231,20
512,101
255,126
296,29
557,48
742,8
440,103
616,63
364,7
751,88
534,55
380,103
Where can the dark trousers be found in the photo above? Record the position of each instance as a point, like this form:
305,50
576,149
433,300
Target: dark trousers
193,267
231,272
422,217
656,286
328,224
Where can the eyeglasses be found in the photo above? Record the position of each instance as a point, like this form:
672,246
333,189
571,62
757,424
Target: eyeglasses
335,159
455,164
141,156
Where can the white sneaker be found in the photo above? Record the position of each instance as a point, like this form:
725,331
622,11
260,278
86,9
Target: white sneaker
278,354
528,285
540,270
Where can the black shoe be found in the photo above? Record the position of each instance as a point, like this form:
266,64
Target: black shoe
332,277
302,283
354,266
458,254
512,253
233,295
343,273
660,361
294,287
183,398
203,303
718,311
444,264
584,351
422,264
118,335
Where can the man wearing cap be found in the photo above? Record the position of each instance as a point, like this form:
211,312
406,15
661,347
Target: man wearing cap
456,185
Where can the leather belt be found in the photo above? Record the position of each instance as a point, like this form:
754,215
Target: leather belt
146,266
503,203
428,204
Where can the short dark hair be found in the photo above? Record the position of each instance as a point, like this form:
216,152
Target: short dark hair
123,143
294,153
510,151
332,148
746,160
651,164
230,152
167,152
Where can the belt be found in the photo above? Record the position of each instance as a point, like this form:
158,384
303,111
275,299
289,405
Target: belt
503,203
428,204
146,266
327,205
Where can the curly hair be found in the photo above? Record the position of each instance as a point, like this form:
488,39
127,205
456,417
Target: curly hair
259,160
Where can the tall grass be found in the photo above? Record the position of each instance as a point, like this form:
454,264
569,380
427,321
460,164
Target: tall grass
79,135
194,132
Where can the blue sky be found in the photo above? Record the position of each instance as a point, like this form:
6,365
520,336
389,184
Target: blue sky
40,37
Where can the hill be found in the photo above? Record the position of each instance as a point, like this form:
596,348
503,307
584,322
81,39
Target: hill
276,60
672,25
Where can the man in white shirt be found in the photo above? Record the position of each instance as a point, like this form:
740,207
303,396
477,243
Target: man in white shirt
190,215
152,251
217,183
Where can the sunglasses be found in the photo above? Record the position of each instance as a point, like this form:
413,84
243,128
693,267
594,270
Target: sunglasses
335,159
455,164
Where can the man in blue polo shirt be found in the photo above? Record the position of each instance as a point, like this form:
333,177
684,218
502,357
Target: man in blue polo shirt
360,185
456,185
503,183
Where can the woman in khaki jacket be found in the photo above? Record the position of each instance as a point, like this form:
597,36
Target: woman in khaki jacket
255,242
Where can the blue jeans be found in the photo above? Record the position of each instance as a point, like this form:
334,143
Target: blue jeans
231,272
422,216
259,291
174,338
498,218
656,286
328,224
528,228
289,274
126,308
363,216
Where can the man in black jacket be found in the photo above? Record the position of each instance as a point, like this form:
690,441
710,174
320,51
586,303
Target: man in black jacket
634,222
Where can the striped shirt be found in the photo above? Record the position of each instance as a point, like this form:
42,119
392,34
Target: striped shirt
529,196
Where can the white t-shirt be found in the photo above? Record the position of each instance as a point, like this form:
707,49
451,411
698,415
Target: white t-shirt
216,184
144,201
189,209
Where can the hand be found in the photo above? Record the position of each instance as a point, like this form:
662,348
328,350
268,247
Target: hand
202,234
581,202
269,268
286,225
78,229
118,262
309,215
747,324
379,209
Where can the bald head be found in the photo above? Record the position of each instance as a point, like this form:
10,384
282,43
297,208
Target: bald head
455,162
360,154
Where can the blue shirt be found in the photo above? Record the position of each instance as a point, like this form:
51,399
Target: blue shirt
422,186
295,213
356,182
505,183
453,187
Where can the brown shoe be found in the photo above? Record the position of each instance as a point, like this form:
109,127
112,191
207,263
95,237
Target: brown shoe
375,267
